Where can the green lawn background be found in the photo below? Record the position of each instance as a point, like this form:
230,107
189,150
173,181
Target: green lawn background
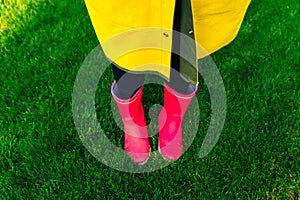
43,44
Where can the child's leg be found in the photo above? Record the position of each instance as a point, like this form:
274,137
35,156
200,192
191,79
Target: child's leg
179,84
127,93
127,84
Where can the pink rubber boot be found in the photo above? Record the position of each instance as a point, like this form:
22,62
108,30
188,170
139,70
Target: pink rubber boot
170,120
136,142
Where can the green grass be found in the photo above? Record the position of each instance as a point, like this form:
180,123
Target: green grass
43,44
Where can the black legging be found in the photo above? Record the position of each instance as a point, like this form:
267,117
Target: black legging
129,84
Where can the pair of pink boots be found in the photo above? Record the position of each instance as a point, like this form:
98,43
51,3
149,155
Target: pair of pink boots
136,142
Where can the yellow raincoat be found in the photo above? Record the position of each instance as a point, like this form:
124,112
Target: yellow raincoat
137,35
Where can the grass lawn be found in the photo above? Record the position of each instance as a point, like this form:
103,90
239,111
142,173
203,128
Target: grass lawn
43,44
